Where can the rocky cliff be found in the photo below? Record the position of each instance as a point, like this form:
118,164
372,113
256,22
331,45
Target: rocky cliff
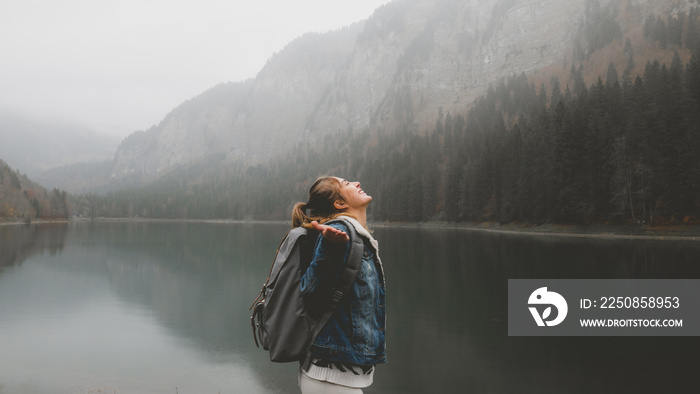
403,65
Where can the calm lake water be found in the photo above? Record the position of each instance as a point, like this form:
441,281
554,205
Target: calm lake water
149,307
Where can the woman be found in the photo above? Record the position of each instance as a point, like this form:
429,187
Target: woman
352,342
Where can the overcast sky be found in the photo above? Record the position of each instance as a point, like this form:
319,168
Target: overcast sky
121,66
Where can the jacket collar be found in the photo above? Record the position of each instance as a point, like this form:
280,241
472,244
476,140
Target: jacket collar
361,230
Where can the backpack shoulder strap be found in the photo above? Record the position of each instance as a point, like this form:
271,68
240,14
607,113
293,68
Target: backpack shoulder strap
352,266
345,282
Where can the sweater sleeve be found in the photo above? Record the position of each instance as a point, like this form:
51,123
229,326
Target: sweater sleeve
328,260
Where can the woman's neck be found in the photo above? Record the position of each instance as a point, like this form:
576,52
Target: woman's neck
359,214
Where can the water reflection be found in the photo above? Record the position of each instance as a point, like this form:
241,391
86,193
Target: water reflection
126,291
150,306
195,278
448,324
19,242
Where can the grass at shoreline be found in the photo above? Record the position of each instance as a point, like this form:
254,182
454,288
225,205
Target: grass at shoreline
668,232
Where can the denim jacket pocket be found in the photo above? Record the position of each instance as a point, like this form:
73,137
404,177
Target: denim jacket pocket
367,267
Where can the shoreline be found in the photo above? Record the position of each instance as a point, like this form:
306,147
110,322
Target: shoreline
601,231
604,231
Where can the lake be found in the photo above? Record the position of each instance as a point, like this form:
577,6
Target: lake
162,307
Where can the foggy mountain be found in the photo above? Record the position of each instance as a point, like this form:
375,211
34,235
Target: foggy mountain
409,62
34,146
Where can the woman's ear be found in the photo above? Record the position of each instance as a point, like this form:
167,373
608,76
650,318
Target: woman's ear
340,205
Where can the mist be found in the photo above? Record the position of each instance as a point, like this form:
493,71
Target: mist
121,67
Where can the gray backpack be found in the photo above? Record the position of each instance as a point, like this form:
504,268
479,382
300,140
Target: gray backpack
285,322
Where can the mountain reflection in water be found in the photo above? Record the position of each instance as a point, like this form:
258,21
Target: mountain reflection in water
163,307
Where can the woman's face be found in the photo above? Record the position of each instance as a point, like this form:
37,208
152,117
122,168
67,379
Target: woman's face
353,195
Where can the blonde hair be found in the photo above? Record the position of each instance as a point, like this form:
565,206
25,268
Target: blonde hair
321,208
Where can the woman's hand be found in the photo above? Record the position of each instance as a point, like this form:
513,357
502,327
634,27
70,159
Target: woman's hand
331,233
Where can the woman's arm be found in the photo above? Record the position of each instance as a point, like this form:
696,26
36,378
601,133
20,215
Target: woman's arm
331,233
328,258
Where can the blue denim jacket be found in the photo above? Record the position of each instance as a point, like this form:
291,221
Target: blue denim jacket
355,333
